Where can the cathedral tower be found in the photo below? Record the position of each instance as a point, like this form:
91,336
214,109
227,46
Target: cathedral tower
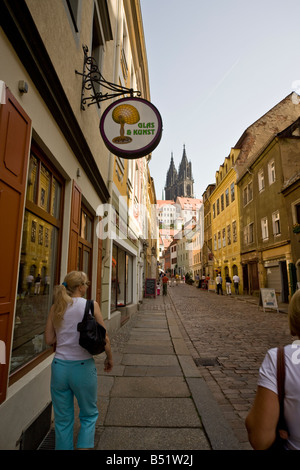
182,183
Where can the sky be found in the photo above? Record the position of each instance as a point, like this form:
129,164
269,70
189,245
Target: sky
215,67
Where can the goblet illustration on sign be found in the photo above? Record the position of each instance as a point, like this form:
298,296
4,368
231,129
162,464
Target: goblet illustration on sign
124,114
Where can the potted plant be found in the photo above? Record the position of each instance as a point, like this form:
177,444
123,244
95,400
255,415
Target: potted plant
296,228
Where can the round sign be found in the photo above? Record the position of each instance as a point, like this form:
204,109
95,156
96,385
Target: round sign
131,128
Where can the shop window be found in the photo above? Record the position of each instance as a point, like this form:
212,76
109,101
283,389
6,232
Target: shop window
121,279
85,245
38,262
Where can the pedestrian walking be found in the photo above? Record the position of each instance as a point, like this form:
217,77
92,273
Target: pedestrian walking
73,371
228,284
37,284
263,418
29,281
219,281
165,281
236,282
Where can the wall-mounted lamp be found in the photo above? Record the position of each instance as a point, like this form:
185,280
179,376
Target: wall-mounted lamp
23,86
78,173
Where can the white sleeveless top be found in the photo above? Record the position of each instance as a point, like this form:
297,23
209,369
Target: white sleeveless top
67,336
267,379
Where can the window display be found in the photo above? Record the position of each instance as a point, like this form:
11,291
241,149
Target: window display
121,279
38,263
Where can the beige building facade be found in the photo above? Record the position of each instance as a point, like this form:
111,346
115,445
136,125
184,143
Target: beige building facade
56,175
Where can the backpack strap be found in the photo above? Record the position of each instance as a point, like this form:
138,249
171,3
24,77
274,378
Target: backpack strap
280,384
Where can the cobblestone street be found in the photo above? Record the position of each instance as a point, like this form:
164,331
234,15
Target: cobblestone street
228,337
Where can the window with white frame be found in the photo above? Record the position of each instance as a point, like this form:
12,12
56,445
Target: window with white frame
261,180
228,234
271,171
215,241
234,232
227,197
248,193
249,234
232,192
264,228
276,223
224,237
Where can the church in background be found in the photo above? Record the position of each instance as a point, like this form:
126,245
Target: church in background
181,183
180,217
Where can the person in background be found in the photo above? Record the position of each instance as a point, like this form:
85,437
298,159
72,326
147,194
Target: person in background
228,284
165,281
262,419
73,371
37,284
236,282
219,281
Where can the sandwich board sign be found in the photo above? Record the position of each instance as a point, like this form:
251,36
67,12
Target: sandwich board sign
268,299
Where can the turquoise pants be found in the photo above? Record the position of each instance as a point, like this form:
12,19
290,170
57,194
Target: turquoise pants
69,379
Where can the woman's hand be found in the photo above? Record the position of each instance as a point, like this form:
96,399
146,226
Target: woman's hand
108,365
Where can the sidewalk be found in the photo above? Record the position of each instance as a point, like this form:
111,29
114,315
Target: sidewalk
155,397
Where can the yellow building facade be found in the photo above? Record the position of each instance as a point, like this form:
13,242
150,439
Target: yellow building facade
225,222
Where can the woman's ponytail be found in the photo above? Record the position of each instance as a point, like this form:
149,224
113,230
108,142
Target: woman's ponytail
62,299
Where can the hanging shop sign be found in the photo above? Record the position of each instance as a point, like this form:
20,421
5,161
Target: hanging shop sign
131,128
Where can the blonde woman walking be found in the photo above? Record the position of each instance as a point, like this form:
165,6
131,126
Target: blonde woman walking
73,371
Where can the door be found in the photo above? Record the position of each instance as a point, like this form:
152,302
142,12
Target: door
245,278
15,133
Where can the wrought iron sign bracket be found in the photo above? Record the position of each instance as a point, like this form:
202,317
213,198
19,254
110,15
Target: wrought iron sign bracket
92,80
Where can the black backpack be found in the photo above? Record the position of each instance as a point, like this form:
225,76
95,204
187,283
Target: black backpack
92,334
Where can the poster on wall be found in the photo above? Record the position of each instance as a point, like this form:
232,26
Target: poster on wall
131,128
267,299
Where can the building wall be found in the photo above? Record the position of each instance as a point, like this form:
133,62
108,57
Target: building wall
38,45
266,210
225,224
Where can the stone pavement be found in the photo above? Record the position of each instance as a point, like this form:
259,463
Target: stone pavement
185,372
228,337
155,398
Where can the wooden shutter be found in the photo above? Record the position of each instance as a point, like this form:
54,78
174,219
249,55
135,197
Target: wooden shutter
15,132
74,228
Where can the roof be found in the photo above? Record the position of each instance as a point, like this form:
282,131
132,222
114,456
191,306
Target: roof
189,201
164,203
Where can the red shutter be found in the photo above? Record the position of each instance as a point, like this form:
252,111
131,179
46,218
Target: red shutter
15,131
74,228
